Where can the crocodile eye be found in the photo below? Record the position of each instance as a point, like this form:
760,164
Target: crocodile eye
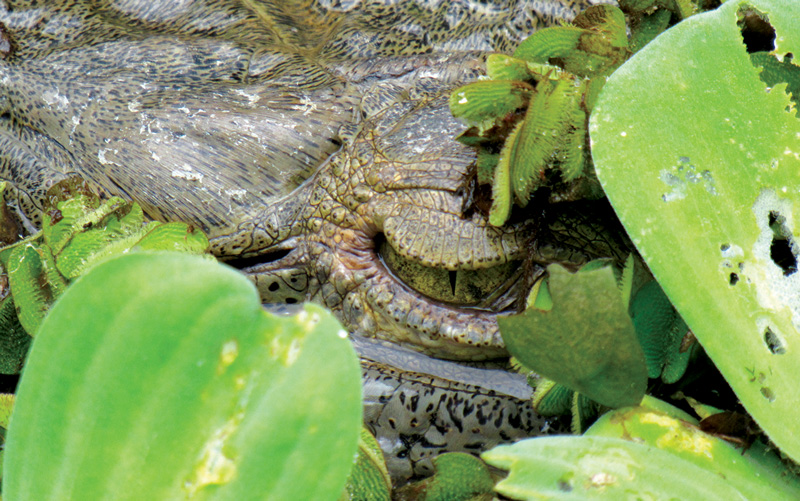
490,288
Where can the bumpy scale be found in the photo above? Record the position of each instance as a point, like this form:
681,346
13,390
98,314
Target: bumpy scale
302,136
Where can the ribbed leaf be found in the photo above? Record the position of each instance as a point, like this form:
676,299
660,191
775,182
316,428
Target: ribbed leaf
14,339
501,187
482,103
551,398
549,42
35,283
369,479
159,376
549,115
503,67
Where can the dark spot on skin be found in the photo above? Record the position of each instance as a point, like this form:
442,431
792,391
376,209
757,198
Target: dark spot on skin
7,45
468,408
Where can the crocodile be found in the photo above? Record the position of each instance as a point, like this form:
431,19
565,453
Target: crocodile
312,141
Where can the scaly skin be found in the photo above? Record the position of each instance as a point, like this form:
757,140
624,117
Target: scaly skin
236,123
311,140
420,408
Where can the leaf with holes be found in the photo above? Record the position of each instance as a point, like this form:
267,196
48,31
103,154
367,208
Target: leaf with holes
159,376
699,157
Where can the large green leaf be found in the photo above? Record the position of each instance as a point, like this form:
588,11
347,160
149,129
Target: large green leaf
159,376
700,159
757,472
579,468
651,451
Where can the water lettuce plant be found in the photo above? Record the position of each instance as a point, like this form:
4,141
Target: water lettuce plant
78,231
181,387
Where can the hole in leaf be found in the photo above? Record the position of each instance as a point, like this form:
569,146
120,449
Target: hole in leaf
757,34
773,342
782,250
759,39
734,279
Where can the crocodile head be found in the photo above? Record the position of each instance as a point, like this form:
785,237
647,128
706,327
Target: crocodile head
387,234
312,143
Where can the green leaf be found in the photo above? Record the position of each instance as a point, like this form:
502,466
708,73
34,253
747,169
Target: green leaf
581,468
584,412
486,165
458,477
6,406
647,27
14,339
757,473
586,341
602,47
700,162
174,237
501,187
774,72
35,283
159,376
551,398
482,103
652,451
556,41
369,479
660,331
503,67
77,215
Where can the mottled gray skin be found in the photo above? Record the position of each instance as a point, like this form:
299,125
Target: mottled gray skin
312,128
297,134
420,408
